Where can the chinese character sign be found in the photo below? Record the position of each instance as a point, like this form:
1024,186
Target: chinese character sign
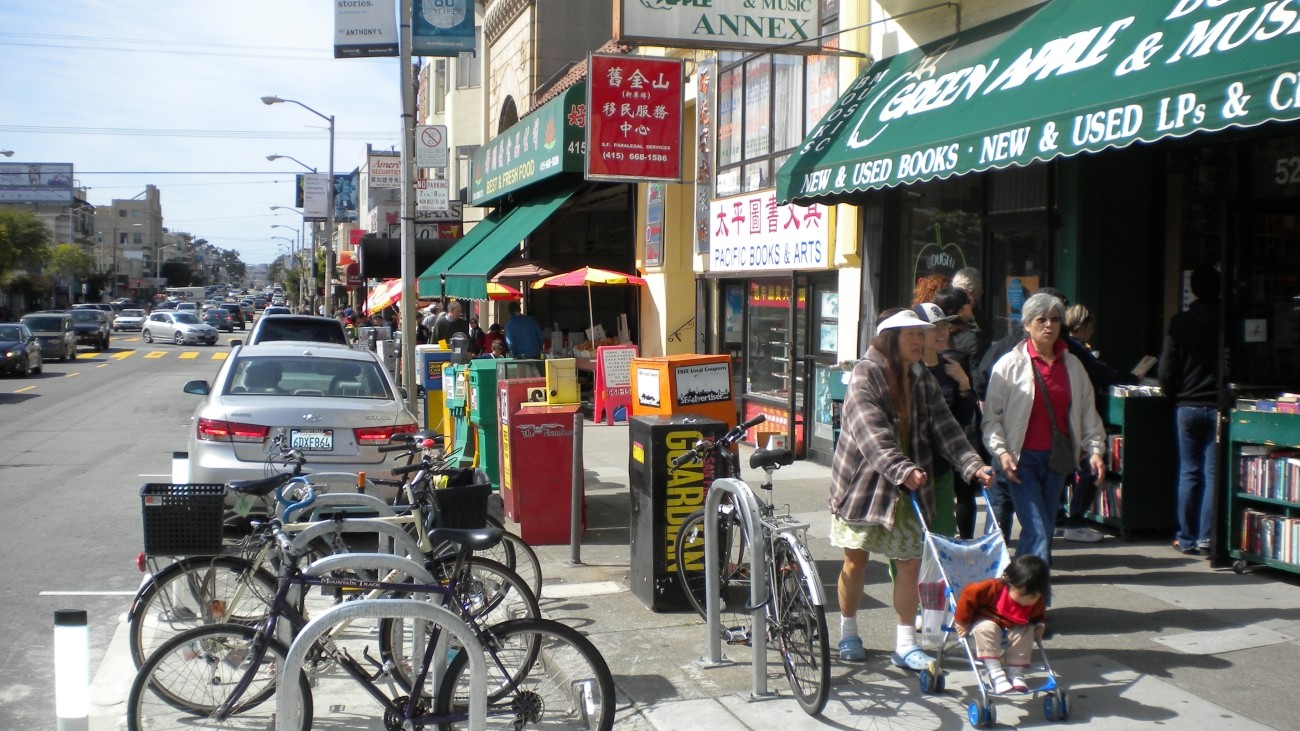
634,125
750,232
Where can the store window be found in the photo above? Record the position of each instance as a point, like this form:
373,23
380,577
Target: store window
469,68
756,93
768,371
464,159
941,229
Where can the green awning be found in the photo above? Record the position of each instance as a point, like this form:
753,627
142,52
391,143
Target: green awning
551,140
467,278
1055,80
429,283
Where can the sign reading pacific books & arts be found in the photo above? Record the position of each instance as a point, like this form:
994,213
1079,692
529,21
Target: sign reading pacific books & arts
751,233
635,122
711,24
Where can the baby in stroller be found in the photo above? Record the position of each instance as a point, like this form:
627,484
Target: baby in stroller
1014,602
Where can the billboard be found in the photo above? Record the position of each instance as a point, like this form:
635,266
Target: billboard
635,109
313,196
712,24
385,171
36,182
365,28
442,27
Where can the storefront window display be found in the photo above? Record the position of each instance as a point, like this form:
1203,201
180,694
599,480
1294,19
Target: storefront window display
942,229
771,348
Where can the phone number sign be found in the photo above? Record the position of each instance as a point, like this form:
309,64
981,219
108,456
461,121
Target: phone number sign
634,127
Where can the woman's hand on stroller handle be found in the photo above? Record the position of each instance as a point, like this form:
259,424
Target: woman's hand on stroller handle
985,476
915,479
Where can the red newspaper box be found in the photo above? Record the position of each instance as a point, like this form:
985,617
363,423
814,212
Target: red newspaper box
513,393
542,469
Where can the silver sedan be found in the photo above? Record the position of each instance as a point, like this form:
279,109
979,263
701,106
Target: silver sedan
179,327
129,320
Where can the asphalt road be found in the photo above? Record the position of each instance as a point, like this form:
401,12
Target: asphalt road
78,441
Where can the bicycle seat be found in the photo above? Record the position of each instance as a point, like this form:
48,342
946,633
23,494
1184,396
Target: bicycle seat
261,487
764,458
478,539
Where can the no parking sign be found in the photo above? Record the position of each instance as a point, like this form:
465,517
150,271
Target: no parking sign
431,146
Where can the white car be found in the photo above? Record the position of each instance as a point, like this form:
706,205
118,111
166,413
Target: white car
178,326
129,320
335,404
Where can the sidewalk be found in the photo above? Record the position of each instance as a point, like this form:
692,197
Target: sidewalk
1141,636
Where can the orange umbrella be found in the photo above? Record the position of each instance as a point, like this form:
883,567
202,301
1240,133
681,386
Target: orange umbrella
503,293
585,277
382,295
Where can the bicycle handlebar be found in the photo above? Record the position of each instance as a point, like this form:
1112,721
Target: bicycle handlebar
308,497
731,437
286,543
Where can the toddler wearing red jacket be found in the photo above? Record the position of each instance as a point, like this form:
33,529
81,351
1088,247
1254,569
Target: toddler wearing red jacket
1015,603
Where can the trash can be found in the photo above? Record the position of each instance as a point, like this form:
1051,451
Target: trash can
541,446
662,497
481,407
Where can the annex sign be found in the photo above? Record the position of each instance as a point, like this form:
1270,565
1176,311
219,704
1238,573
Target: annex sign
712,24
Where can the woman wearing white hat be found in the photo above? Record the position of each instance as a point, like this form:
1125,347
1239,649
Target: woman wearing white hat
894,421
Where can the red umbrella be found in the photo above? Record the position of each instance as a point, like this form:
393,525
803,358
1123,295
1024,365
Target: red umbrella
501,292
585,277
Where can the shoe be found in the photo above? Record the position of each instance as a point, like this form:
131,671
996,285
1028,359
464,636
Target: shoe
1058,533
1016,676
1082,534
914,659
851,649
1001,685
1187,550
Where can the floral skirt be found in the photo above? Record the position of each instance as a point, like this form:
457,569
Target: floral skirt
902,543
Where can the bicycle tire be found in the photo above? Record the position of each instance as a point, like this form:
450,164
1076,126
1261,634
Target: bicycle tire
567,683
733,572
494,594
800,627
181,684
194,591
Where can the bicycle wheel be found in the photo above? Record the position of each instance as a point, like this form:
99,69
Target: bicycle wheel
733,570
800,627
486,593
182,684
512,552
196,591
541,674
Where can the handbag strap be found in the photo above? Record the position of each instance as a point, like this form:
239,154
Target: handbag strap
1047,397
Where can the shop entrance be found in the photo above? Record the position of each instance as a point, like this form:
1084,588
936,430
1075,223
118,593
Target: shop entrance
1265,300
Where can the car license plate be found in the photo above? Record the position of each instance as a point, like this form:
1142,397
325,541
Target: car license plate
313,440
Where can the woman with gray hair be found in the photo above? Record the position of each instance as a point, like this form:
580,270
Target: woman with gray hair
1039,419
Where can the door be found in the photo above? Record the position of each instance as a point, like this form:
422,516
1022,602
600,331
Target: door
1018,264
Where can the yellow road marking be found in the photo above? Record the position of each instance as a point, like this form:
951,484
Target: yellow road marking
124,354
189,355
220,356
24,388
72,375
101,365
156,354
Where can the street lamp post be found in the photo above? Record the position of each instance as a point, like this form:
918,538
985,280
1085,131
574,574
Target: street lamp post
329,211
302,249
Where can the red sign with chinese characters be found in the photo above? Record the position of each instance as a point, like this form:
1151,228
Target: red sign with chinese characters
634,127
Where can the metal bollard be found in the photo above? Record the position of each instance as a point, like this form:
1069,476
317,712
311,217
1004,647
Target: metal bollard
72,670
575,497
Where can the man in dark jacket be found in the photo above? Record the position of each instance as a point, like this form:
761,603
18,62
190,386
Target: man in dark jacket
1189,374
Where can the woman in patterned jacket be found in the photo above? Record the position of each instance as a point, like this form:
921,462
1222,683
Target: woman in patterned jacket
894,421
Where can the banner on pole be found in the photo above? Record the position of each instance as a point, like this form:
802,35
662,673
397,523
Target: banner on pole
442,27
365,28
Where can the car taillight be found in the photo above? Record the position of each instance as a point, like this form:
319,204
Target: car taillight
376,435
217,430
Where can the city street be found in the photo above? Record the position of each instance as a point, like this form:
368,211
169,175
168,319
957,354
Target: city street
79,441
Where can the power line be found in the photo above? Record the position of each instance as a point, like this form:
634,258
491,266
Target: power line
206,133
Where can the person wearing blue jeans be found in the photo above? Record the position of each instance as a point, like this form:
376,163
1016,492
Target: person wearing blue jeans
1189,374
1035,499
1196,425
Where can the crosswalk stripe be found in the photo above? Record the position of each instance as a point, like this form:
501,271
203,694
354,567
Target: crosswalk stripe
124,354
220,356
156,354
189,355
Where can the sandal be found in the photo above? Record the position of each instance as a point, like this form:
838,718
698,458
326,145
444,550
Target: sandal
915,659
851,649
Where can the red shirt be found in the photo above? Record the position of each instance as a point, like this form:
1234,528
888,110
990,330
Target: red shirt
1038,434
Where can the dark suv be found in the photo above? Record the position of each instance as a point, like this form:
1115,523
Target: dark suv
236,313
91,326
308,328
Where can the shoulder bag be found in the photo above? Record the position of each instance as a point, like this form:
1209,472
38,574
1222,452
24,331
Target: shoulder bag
1063,460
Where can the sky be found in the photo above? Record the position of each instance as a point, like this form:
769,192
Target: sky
168,92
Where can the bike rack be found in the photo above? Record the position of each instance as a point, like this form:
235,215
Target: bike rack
288,700
400,542
748,506
354,500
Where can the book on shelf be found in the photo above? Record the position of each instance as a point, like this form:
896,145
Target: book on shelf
1116,453
1270,535
1287,403
1269,472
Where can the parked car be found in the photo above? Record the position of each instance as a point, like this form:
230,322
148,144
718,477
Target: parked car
336,404
129,320
54,329
178,326
92,327
309,328
20,350
219,319
236,313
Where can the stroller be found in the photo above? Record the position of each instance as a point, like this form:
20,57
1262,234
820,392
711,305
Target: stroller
947,566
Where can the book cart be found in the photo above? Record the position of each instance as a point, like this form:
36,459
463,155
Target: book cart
1139,491
1262,518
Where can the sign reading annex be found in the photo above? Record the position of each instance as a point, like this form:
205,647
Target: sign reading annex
634,125
750,233
711,24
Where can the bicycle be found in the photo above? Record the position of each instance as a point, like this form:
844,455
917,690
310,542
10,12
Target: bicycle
226,588
224,675
794,611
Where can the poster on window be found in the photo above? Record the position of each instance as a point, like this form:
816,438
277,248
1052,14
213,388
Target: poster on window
654,225
634,125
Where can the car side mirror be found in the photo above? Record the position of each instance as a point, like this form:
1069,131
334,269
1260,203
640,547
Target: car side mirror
198,388
234,342
402,390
